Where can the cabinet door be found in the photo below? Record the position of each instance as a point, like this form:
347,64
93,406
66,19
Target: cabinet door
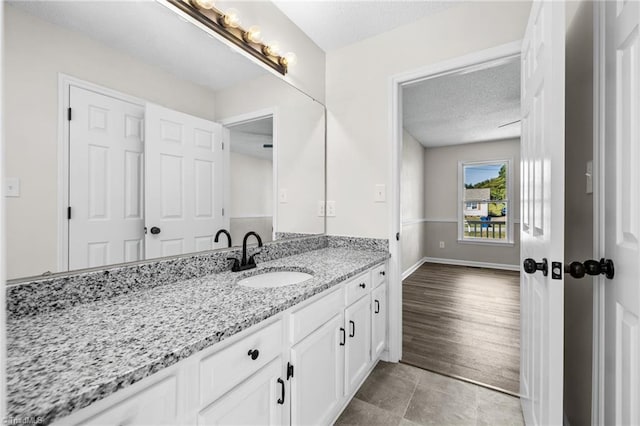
358,346
316,386
258,401
378,320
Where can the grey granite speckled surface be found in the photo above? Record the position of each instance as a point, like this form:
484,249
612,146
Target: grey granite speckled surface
358,243
39,295
61,361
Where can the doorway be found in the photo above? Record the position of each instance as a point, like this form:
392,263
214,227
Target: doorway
458,251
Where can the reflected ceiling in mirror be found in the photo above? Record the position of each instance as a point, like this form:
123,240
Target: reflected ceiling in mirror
145,166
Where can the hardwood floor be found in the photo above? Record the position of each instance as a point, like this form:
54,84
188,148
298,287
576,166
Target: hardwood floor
463,322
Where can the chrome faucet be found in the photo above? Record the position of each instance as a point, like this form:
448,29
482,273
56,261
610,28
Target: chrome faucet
245,264
225,232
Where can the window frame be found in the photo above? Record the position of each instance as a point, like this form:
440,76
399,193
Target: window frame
510,203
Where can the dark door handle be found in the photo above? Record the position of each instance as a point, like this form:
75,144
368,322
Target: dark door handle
362,285
344,336
531,266
377,308
591,267
254,353
383,273
352,333
155,230
281,400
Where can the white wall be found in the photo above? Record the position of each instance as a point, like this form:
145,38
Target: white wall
251,186
358,99
298,144
35,52
309,73
578,293
441,205
412,201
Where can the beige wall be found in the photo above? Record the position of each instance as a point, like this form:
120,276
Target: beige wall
298,145
441,205
358,81
35,52
251,192
578,294
412,201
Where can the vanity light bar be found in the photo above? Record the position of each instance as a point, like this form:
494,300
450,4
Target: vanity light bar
227,25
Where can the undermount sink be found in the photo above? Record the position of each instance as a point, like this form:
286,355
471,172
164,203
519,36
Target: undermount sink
275,279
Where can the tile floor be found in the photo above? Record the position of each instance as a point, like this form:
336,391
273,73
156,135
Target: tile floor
399,394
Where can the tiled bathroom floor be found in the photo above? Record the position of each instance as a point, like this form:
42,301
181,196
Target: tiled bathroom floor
399,394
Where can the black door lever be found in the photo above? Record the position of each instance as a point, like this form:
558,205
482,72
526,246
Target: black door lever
531,266
591,267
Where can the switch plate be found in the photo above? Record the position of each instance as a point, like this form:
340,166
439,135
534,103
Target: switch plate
331,208
321,208
283,196
589,175
380,195
12,187
441,244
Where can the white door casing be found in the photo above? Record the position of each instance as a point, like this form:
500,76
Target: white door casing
621,221
184,182
106,164
542,212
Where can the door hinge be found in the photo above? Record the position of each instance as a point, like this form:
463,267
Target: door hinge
289,370
397,236
69,114
223,146
69,213
223,211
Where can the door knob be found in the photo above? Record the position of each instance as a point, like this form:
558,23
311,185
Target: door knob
155,230
591,267
531,266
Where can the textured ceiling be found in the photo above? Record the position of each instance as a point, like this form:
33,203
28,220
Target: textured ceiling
248,138
465,107
153,34
334,24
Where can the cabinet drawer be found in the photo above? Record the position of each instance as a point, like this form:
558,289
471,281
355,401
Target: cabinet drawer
311,317
230,366
155,405
358,287
378,275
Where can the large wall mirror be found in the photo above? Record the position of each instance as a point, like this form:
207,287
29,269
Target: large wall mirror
132,134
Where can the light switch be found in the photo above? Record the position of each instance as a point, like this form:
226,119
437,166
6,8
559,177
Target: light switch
331,208
12,187
283,196
589,175
380,195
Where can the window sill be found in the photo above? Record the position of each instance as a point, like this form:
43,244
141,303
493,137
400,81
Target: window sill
487,242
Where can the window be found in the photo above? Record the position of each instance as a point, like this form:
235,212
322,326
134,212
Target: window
484,196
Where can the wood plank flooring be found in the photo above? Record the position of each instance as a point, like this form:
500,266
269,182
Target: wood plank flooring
463,322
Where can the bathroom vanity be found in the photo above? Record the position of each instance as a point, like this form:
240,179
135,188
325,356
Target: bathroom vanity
207,350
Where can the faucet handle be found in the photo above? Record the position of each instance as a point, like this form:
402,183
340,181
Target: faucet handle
252,257
236,264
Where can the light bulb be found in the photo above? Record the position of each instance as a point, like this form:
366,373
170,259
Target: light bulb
290,59
203,4
253,34
272,49
231,18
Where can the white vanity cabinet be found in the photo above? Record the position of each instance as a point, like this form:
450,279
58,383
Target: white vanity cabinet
300,367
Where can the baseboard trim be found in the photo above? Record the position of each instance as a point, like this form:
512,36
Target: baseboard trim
413,268
473,263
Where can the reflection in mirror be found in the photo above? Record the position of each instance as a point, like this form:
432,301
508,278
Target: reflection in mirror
124,127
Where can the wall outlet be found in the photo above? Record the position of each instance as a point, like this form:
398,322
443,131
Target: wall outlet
441,244
321,208
331,208
380,194
283,196
12,187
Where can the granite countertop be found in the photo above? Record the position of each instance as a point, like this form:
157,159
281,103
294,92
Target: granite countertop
59,362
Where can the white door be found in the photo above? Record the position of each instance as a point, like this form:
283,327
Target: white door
378,320
106,222
542,216
358,346
316,385
621,197
257,401
184,182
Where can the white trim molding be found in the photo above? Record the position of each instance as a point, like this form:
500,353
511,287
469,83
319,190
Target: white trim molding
413,268
473,263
